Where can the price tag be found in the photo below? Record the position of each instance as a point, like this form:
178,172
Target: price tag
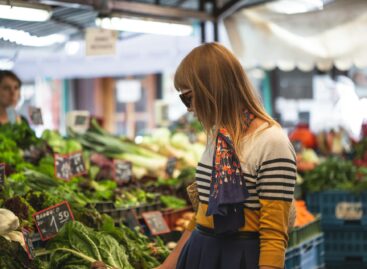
62,166
156,223
349,211
28,244
50,220
171,166
35,114
78,121
77,164
131,219
2,173
67,166
122,171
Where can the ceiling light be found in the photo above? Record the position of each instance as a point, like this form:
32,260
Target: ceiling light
72,47
295,7
23,11
144,26
26,39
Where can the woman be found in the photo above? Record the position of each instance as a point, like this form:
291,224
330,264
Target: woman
9,95
246,176
247,173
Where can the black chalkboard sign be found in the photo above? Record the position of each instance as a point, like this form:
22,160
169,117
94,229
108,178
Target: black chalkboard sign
35,114
28,244
122,171
171,166
156,223
67,166
2,173
77,164
62,166
50,220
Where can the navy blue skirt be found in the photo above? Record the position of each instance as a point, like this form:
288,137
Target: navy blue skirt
203,251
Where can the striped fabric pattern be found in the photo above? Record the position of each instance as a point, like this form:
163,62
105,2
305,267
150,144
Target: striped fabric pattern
275,180
269,170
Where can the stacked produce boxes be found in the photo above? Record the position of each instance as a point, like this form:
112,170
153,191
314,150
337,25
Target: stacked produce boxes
306,247
344,223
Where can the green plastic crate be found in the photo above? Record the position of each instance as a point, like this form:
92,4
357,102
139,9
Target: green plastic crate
299,235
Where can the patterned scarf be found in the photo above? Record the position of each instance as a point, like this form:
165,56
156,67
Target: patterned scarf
228,190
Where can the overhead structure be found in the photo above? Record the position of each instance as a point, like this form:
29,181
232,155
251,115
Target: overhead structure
35,49
334,35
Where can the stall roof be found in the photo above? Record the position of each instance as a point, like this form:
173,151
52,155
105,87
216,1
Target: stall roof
333,36
71,17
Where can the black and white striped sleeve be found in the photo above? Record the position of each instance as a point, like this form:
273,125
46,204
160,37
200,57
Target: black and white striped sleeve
276,175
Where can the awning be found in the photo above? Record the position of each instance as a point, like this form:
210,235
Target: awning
335,35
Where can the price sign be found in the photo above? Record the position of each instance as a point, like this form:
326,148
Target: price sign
122,171
62,166
78,121
131,219
50,220
67,166
2,173
35,114
156,223
77,164
171,166
28,244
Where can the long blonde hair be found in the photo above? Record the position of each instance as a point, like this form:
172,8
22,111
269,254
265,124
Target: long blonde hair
221,90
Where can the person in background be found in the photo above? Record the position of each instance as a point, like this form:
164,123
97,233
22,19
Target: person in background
10,85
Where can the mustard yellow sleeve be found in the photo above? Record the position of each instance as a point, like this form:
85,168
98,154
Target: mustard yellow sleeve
191,225
276,179
273,232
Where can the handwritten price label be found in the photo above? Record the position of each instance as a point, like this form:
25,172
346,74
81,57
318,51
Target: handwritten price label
50,220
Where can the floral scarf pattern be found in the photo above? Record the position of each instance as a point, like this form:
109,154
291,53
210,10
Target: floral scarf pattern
228,189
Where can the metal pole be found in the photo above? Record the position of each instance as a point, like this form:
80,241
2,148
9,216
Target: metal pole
202,23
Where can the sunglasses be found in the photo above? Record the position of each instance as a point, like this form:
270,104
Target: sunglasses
186,98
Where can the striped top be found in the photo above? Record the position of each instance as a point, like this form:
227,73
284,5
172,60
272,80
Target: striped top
269,169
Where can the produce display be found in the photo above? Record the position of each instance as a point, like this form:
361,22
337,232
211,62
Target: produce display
303,216
31,185
336,173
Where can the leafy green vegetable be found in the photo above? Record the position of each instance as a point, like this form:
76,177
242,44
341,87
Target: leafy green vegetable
13,256
172,202
336,173
21,208
77,245
142,253
20,133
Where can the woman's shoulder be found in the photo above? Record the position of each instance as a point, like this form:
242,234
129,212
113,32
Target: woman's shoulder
272,141
266,134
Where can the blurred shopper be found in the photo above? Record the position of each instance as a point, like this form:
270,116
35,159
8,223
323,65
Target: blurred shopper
10,85
246,176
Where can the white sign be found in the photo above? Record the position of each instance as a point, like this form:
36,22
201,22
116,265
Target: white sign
128,91
78,121
100,42
349,211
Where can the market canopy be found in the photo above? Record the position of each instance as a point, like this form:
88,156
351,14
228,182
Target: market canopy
335,35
